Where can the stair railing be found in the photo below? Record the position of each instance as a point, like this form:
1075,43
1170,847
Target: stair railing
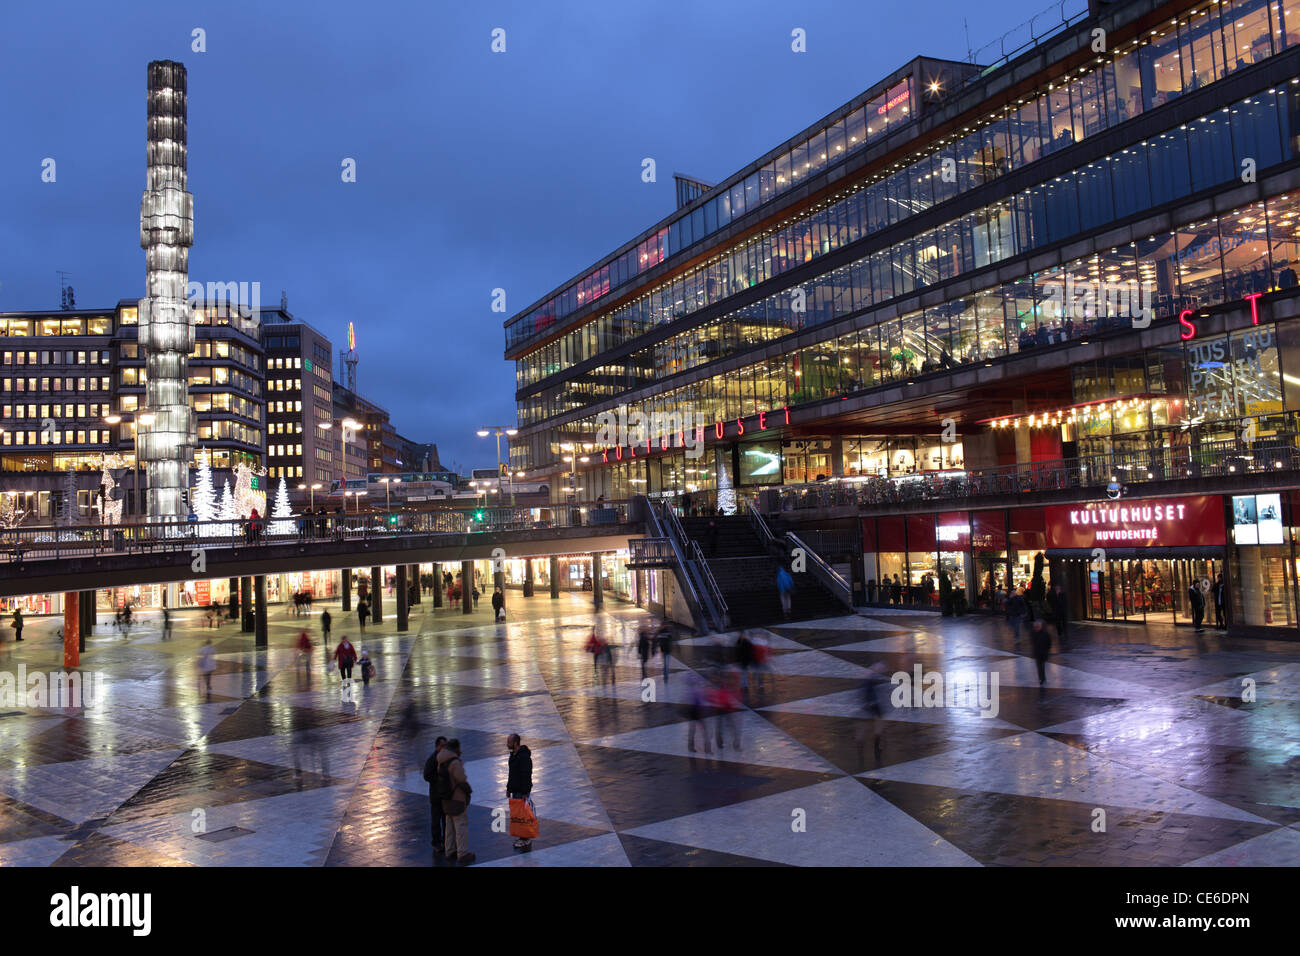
827,575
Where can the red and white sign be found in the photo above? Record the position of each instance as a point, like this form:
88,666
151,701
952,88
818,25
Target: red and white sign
1135,523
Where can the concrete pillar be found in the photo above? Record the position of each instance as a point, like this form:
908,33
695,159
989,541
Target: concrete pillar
437,584
377,594
528,577
234,590
413,578
466,587
401,597
345,589
245,604
71,629
596,594
555,577
260,638
87,618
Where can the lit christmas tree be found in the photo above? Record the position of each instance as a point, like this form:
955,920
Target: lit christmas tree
726,493
203,496
71,513
226,509
281,510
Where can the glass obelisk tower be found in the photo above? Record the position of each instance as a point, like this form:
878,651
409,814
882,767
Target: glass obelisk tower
166,321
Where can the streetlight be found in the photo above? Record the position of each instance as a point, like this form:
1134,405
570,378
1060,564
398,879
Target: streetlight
388,491
346,425
311,492
500,430
140,418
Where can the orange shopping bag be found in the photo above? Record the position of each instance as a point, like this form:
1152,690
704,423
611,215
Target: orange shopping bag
523,821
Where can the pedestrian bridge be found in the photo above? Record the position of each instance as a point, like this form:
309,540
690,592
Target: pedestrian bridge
81,558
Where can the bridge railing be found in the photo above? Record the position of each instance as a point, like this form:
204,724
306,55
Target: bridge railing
35,543
1218,459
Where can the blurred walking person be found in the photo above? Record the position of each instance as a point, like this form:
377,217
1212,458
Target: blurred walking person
695,715
167,624
1017,611
784,585
17,624
304,653
643,647
363,612
207,664
665,641
727,699
1041,643
873,710
519,786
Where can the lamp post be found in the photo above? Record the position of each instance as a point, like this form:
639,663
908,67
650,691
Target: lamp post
138,419
345,425
500,430
311,493
388,491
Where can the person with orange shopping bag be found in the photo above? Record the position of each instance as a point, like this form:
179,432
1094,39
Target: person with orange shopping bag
519,784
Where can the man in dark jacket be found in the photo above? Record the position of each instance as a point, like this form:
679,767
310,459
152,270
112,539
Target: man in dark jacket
519,780
498,604
436,796
1060,609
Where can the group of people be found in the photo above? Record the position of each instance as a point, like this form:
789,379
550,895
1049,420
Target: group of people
302,602
450,793
649,643
1022,611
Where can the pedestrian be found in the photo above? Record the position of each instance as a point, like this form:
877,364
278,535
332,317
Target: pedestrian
476,596
325,627
695,716
436,796
713,537
1041,643
643,647
498,605
665,641
207,664
872,689
367,668
896,591
727,699
18,624
1220,619
1060,611
519,786
762,658
304,652
167,624
1197,597
126,623
345,655
784,585
594,646
455,806
745,657
1017,610
363,612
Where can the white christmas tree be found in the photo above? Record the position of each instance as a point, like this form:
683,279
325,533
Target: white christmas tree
225,511
726,493
281,510
202,495
71,512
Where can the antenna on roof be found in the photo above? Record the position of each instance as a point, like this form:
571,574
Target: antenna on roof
67,300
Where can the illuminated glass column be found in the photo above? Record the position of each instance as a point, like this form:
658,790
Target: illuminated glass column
166,322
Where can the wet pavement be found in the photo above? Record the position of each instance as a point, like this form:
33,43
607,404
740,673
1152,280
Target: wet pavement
1146,746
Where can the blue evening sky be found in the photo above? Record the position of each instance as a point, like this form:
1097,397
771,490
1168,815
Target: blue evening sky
475,170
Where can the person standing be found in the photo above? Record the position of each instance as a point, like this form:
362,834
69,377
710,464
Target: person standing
367,668
167,624
455,806
207,664
1220,619
498,605
325,632
345,655
436,796
18,624
1017,609
695,716
713,537
304,652
519,780
1197,598
363,612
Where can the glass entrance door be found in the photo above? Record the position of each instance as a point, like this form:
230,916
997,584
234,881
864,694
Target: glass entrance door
1154,591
